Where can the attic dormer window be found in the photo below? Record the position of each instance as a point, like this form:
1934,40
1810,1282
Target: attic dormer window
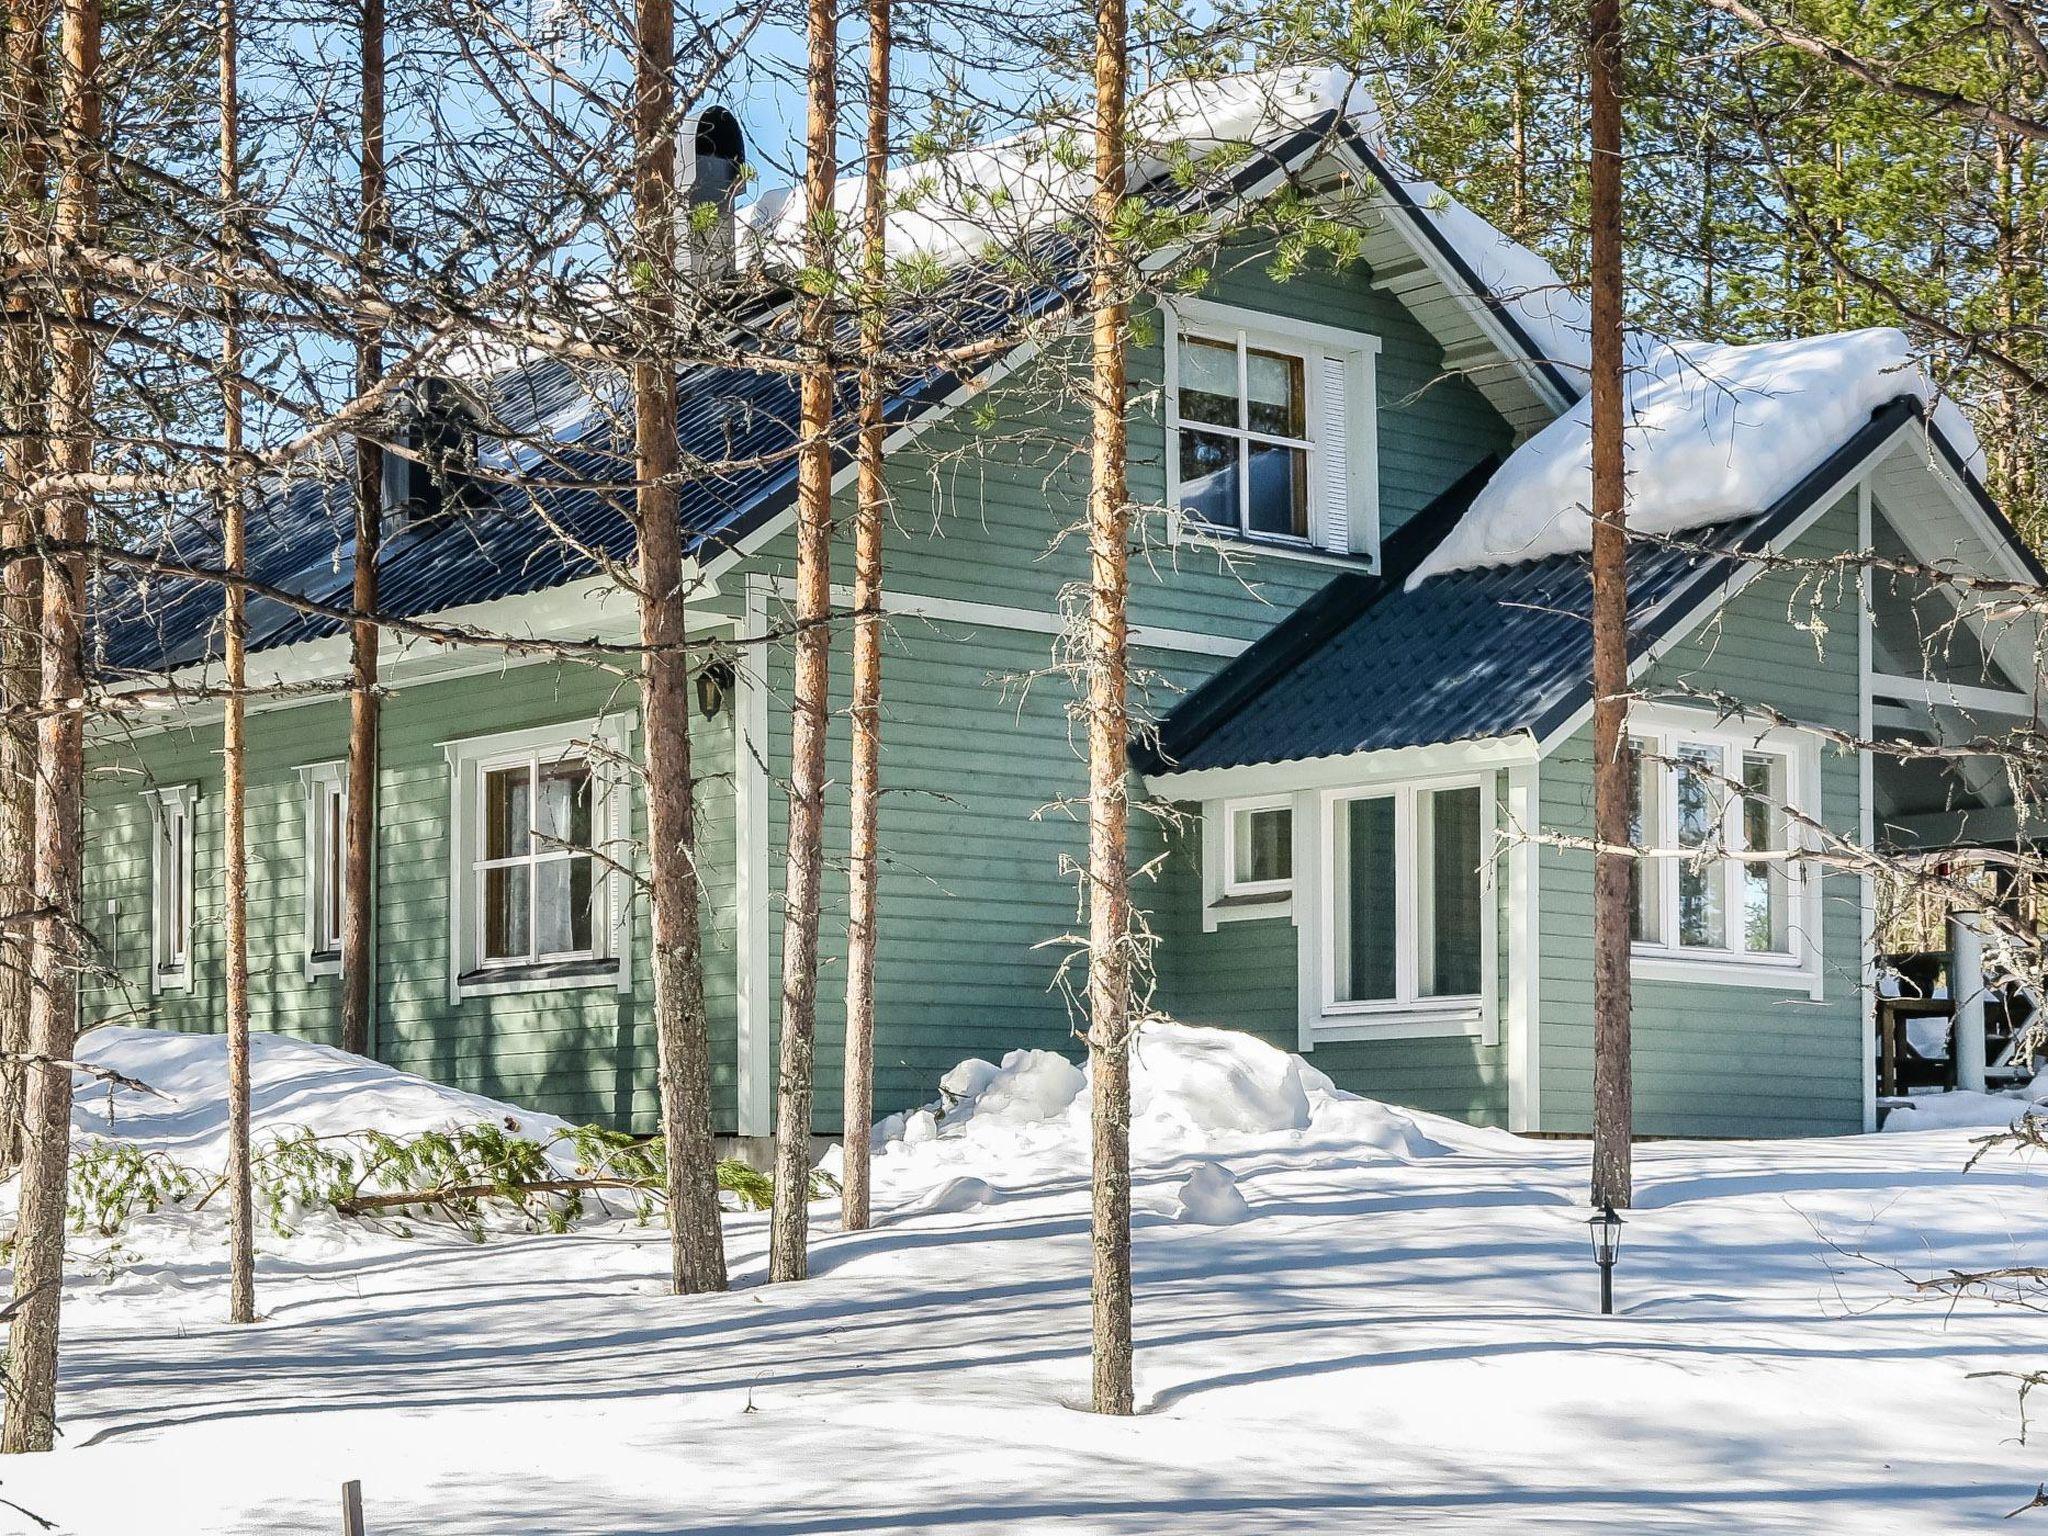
1271,433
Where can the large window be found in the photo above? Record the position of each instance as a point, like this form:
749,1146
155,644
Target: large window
542,895
1407,915
1271,436
326,864
1719,879
170,887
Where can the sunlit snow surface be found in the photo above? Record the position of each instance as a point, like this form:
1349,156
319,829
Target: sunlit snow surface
1398,1335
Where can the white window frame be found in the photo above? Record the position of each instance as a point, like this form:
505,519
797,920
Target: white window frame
1663,731
325,785
609,962
1225,898
1357,353
1408,1012
172,813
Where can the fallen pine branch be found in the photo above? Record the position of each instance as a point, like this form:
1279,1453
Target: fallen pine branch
512,1189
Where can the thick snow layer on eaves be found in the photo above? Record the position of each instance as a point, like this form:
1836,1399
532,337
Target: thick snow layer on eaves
1714,432
955,207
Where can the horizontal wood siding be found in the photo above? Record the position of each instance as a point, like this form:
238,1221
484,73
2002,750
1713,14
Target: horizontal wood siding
1244,976
585,1054
1713,1059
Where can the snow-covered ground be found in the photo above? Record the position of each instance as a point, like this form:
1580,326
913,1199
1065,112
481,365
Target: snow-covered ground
1348,1319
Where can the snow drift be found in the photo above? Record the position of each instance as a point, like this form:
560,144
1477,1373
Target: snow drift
294,1086
1194,1092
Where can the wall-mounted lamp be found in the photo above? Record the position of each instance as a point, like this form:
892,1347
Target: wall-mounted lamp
714,682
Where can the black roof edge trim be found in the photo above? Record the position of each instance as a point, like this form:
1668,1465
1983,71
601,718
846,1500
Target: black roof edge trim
1304,631
1781,514
1531,353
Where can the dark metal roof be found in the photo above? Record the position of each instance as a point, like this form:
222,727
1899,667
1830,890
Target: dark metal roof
1367,666
566,513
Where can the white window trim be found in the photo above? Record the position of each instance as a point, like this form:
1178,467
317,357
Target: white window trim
1226,899
1324,1019
1358,351
468,976
1800,970
180,801
319,782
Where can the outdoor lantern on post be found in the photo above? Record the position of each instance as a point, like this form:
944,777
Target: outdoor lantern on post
1605,1225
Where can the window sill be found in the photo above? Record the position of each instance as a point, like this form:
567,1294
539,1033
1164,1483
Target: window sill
323,963
1239,909
1204,537
1404,1021
1774,974
547,976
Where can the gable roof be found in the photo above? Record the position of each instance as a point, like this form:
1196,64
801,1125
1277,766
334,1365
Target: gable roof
567,516
1369,665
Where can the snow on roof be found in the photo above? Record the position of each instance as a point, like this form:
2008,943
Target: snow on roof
1715,432
1556,317
957,206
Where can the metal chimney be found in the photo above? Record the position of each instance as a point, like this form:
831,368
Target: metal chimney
713,154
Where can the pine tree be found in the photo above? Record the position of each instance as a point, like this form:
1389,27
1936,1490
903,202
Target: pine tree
789,1229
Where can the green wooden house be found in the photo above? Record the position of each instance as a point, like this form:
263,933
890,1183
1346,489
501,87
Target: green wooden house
1351,758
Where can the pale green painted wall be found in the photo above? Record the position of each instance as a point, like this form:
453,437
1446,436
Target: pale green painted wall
584,1053
1713,1059
977,746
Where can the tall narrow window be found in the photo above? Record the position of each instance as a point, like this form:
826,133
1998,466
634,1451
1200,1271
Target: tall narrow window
170,888
539,885
1450,856
1408,922
326,864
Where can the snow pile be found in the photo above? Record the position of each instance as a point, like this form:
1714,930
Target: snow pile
1714,433
294,1086
1193,1091
955,207
1556,317
1963,1110
1211,1198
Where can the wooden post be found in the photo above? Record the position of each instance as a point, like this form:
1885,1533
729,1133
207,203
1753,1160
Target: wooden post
1966,999
351,1508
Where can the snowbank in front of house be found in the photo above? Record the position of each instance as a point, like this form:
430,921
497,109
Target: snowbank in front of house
1714,433
1195,1092
294,1086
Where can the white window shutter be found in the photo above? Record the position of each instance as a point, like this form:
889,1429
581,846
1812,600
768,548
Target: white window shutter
1333,455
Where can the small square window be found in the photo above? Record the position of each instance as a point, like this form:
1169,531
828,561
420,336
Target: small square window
1260,853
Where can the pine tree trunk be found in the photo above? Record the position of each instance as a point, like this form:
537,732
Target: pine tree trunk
864,867
1613,1109
31,1413
24,378
682,1027
235,735
359,861
789,1223
1109,896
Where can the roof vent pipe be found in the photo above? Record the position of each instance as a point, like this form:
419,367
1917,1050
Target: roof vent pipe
713,160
